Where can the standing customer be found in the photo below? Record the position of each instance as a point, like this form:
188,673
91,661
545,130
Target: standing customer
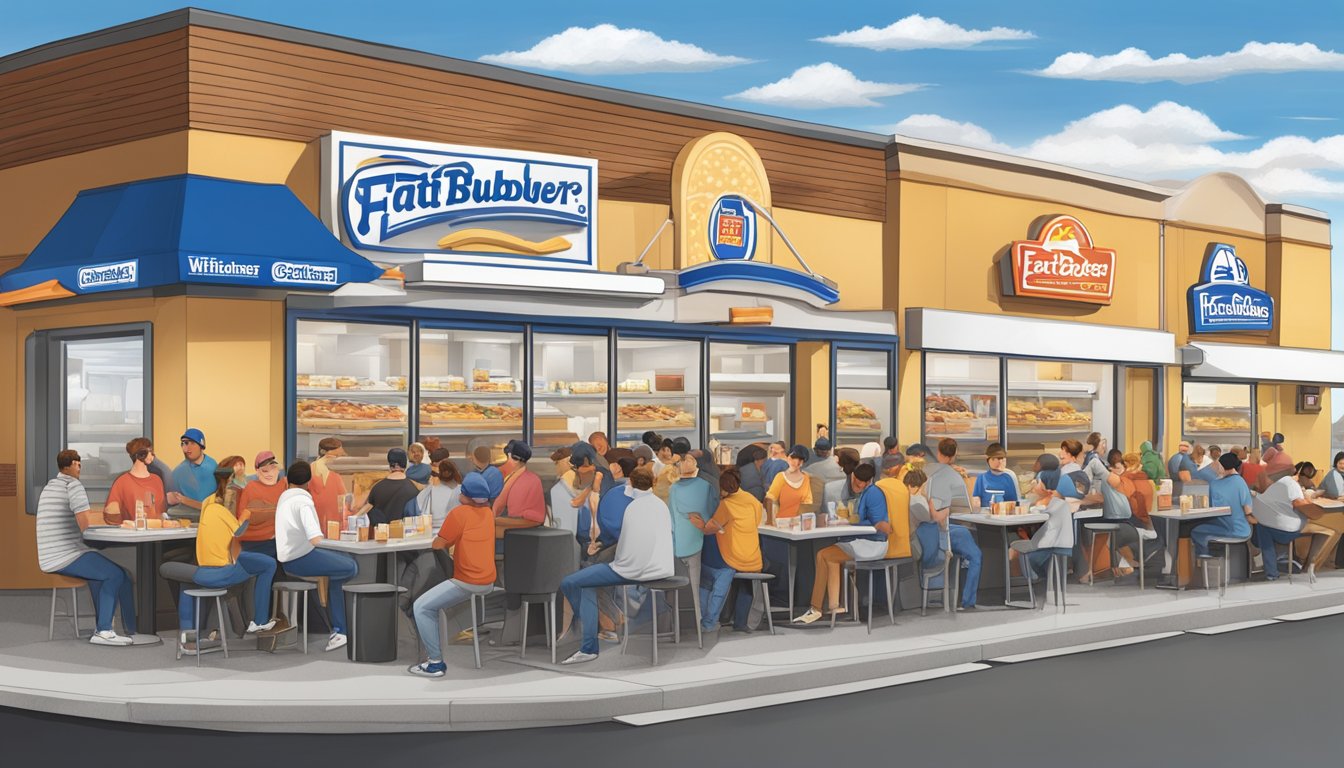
790,492
470,531
260,498
296,538
137,487
327,486
218,566
643,553
690,499
194,478
62,514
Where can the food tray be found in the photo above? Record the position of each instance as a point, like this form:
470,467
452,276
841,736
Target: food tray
351,423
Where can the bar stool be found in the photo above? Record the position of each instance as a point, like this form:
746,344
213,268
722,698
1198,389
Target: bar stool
528,600
288,593
1059,570
1110,529
757,580
671,584
475,633
887,567
200,594
71,613
1225,542
951,570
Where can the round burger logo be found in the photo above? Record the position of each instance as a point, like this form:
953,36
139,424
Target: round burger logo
1062,263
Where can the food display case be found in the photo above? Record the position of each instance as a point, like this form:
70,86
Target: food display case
658,388
569,392
351,382
1048,403
470,388
1217,414
863,395
748,394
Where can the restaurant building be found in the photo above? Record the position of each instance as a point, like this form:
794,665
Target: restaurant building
275,235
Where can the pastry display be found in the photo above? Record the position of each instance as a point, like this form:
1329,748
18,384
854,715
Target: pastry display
946,414
1051,413
497,385
443,384
396,382
637,386
653,413
347,382
1217,424
588,387
480,374
318,412
753,412
857,415
454,412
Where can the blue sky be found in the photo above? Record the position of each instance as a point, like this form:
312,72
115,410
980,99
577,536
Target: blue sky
984,93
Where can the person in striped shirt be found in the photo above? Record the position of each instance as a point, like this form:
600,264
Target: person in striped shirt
62,515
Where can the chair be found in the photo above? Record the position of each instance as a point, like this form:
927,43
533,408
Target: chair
681,569
59,582
1057,576
206,594
475,634
535,562
887,567
951,567
288,592
1224,542
756,579
671,584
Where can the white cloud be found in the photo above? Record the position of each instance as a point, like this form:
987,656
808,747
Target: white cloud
1168,140
1312,118
823,86
1136,66
610,50
914,32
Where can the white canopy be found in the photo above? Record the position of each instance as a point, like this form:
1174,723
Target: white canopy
1207,360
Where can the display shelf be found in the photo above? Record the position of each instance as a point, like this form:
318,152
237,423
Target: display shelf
543,395
469,396
352,394
345,428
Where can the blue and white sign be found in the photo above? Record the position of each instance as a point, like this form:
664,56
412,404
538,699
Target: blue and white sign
105,277
463,204
245,270
1224,300
732,229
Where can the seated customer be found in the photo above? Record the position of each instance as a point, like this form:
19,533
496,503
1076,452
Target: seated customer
137,487
296,537
470,531
220,567
1280,514
947,493
734,531
1228,489
1055,537
643,553
260,497
871,506
790,491
521,503
388,497
62,514
690,499
480,463
998,478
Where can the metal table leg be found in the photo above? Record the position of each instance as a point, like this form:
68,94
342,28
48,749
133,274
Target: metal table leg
146,583
1173,547
793,574
1007,571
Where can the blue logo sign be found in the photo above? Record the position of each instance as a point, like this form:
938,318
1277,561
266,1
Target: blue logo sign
1225,300
102,277
732,229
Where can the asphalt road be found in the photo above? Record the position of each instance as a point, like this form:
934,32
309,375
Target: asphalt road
1257,697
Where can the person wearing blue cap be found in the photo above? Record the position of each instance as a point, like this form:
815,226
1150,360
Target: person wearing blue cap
194,478
1055,537
470,530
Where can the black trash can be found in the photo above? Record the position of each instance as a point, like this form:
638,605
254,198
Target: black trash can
372,612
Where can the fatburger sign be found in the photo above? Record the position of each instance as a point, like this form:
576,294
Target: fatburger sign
1061,263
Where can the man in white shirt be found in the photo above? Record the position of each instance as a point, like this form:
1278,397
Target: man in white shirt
296,536
1280,514
643,553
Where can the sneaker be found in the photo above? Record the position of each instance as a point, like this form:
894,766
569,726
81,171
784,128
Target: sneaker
428,669
337,640
280,625
580,657
1146,534
253,627
465,636
108,637
141,638
608,636
809,617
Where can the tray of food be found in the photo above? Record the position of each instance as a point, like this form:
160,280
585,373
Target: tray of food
1050,414
470,415
443,384
852,415
345,414
494,385
1217,424
947,414
653,416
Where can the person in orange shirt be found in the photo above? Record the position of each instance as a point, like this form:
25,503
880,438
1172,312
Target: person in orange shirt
790,492
136,486
898,510
734,525
327,486
260,497
470,529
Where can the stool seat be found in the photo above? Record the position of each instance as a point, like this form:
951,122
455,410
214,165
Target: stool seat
293,586
887,566
1102,526
671,582
205,592
1229,539
750,576
61,581
881,565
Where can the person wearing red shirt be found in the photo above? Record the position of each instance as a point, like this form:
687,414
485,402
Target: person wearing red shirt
261,496
138,485
521,504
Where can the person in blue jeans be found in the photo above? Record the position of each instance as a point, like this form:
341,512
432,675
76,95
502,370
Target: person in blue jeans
643,553
1227,490
297,534
947,494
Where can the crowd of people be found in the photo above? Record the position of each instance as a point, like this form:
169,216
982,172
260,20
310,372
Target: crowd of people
652,510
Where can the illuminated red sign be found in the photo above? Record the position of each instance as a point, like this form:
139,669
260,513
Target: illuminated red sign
1062,263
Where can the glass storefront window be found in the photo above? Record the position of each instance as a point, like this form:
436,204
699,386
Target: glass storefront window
748,395
352,383
1049,402
1217,414
961,401
862,397
570,394
657,388
471,389
103,391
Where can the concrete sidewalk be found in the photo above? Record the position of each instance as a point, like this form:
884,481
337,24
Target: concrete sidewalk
321,692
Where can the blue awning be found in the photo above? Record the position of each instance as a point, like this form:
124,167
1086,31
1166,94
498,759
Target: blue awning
189,229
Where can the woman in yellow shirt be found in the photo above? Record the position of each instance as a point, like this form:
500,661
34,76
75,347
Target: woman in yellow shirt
791,490
735,522
221,564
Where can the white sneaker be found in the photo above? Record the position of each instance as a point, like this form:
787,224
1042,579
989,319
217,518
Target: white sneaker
253,627
337,640
108,637
1146,534
809,617
580,657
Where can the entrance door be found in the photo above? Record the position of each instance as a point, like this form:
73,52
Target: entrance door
1141,417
